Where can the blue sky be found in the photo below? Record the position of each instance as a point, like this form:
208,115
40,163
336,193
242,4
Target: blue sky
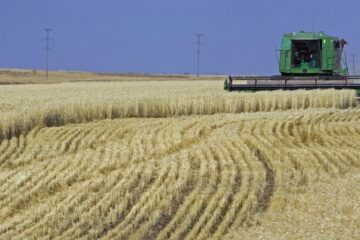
158,36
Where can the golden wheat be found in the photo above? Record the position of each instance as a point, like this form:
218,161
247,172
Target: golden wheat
26,76
27,106
163,174
196,177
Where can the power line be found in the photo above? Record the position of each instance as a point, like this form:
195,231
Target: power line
198,51
47,48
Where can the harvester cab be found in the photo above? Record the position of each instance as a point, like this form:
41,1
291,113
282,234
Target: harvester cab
307,60
311,54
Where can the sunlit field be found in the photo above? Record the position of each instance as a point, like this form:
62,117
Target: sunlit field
177,160
34,76
24,107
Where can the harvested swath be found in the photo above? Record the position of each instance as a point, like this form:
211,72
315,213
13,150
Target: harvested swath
197,177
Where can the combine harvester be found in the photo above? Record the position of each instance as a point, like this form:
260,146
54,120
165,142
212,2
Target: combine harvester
307,61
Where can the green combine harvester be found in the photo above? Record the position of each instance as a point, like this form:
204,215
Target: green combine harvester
307,60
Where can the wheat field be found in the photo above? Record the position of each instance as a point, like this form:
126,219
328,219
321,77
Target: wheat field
24,107
177,161
34,76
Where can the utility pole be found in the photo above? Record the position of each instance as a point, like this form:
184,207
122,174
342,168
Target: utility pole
353,63
198,51
47,48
